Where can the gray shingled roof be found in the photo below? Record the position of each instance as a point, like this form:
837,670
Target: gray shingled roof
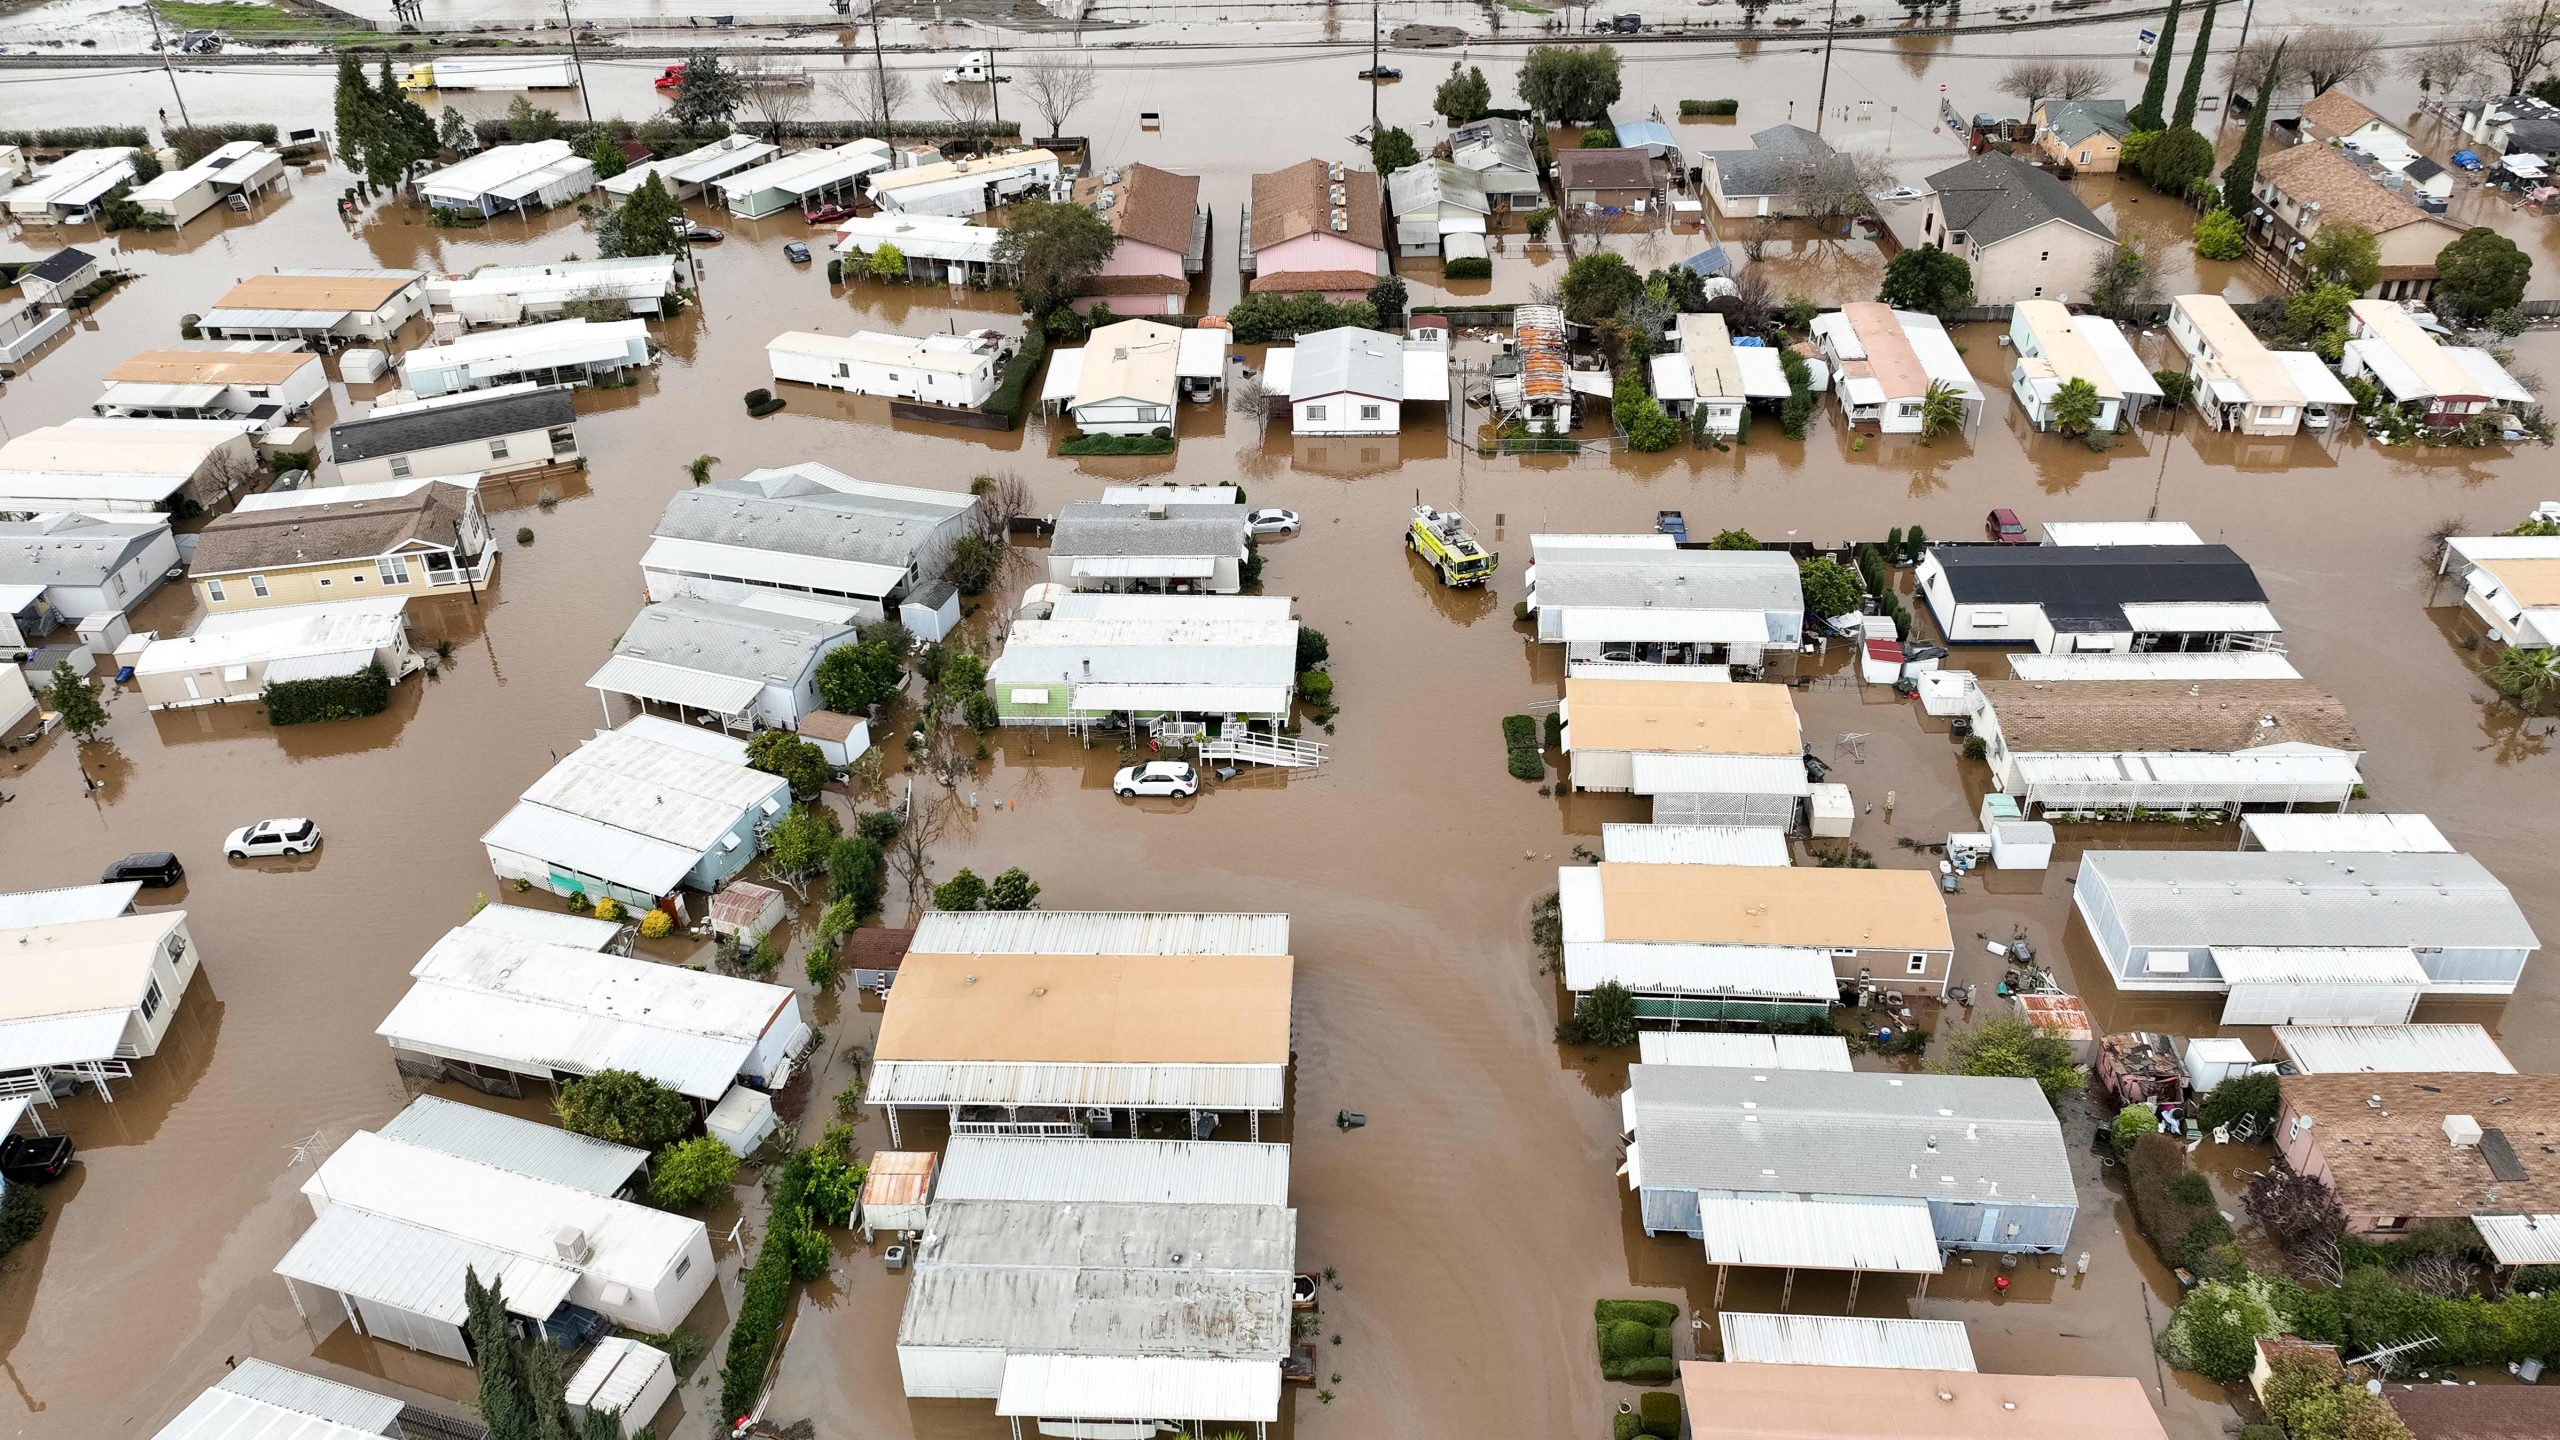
1090,527
2073,121
790,515
70,550
450,424
1992,197
1669,579
1853,1133
1779,157
2305,898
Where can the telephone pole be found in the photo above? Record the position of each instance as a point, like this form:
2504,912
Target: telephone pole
160,43
879,72
1373,71
578,62
1822,98
2222,110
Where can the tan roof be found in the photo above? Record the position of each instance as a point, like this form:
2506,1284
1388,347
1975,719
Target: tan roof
1129,360
139,447
1759,905
212,367
1750,1401
1151,206
321,534
2395,1159
1681,717
288,291
2221,716
1090,1009
2237,350
2066,351
2346,194
1890,358
2335,112
2476,1412
1298,201
2531,581
2384,323
84,966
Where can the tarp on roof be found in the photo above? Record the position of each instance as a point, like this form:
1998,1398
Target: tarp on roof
1774,1231
1177,1387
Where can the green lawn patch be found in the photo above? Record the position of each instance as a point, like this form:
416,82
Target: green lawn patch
241,18
1117,445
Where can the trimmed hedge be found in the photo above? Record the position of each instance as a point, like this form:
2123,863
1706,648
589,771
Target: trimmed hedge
1659,1414
1469,267
1635,1335
1527,761
195,142
1117,445
84,137
1643,1312
332,697
1710,107
765,1301
1018,372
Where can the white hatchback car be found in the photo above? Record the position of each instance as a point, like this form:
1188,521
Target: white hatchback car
273,837
1272,522
1157,777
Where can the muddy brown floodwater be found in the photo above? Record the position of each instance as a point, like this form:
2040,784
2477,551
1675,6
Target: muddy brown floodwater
1476,1218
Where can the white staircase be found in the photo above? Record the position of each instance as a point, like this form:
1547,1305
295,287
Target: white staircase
1264,750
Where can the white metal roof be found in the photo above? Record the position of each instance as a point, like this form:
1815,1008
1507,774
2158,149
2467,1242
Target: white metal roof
614,1374
1720,774
1604,623
805,171
330,629
1144,494
537,1006
761,566
923,237
1167,1172
2318,965
2487,376
549,927
75,179
704,163
676,685
67,905
2283,770
2392,1049
2163,665
1774,1231
1174,567
2312,376
1756,971
1176,1387
1145,1087
2120,532
1174,695
500,169
61,1039
71,987
417,1269
260,1401
2521,1239
2202,616
1852,1340
2115,354
630,277
1693,844
2340,833
1201,354
516,1145
1065,375
553,344
643,785
1099,932
635,862
1743,1050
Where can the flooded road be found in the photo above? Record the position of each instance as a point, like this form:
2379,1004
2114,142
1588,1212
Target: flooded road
1476,1218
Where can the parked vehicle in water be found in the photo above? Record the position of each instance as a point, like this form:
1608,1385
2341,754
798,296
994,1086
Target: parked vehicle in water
2003,527
699,234
1445,544
34,1159
295,836
1271,522
1157,777
795,252
156,869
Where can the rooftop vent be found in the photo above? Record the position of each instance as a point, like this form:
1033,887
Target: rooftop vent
2463,1131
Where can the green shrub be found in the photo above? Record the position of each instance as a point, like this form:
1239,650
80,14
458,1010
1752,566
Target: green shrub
763,1302
2215,1333
1526,765
1623,1425
691,1173
1007,399
1710,107
762,402
21,1216
1626,1340
1117,445
1605,1016
2174,1206
524,534
2131,1124
1519,731
625,1107
1659,1412
1643,1312
1468,267
2252,1096
328,697
1651,1370
1316,687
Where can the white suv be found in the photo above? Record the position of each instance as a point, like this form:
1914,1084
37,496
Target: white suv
273,837
1157,777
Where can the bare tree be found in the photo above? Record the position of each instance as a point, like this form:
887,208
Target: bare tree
1753,301
2519,39
966,106
2451,67
1002,498
1832,191
775,104
2038,79
911,849
1055,86
871,94
2316,57
225,474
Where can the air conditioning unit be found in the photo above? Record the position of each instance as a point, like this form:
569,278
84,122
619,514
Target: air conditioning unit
1334,172
1340,196
571,1245
1341,221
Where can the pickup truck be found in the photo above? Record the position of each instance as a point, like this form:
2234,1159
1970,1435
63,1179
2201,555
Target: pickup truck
1673,524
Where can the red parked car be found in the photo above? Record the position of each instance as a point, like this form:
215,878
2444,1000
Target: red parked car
827,214
671,77
2002,527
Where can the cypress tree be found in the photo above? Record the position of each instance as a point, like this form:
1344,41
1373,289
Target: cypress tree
2155,90
506,1404
2194,86
2241,175
354,112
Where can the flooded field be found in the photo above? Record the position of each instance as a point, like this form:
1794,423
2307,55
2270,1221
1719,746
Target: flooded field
1477,1216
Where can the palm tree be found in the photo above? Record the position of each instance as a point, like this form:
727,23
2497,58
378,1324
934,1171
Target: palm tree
699,467
2527,677
1941,409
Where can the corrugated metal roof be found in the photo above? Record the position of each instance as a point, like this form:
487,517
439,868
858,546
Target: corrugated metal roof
613,1375
68,905
1891,1236
1152,567
2344,832
1147,1087
2521,1239
61,1039
1853,1340
1738,1050
1720,775
259,1401
518,1146
545,927
2169,665
2382,1049
1098,932
1164,1172
590,847
1062,1386
412,1268
2318,965
2222,897
678,685
643,785
2202,618
1694,844
1088,528
1190,699
1918,1137
1626,577
1743,971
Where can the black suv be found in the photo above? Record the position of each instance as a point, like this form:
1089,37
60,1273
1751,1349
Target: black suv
156,869
34,1159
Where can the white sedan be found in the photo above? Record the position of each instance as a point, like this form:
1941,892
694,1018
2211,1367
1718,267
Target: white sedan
1157,777
1272,522
273,837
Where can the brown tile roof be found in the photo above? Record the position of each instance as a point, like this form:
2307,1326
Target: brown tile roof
1620,169
1134,285
1290,282
877,947
2476,1412
1298,201
319,534
1151,206
2313,171
2222,717
2393,1158
2335,112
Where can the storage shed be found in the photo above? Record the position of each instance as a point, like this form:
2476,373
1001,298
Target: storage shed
742,1120
896,1191
626,1379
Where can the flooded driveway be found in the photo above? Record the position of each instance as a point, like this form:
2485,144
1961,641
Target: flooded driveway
1477,1216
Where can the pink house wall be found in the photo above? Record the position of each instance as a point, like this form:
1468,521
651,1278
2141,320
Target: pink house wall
1136,257
1320,251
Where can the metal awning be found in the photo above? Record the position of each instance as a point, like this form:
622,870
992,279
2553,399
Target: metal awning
411,1268
2318,965
1764,845
1782,1232
1149,1387
2521,1239
1146,567
1201,354
1426,374
590,847
139,395
1066,371
1743,972
61,1039
1720,775
1699,625
676,685
2163,617
1140,699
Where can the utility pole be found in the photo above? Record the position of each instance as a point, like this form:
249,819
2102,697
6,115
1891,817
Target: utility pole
578,62
1373,71
995,78
160,43
1822,98
2222,112
879,73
